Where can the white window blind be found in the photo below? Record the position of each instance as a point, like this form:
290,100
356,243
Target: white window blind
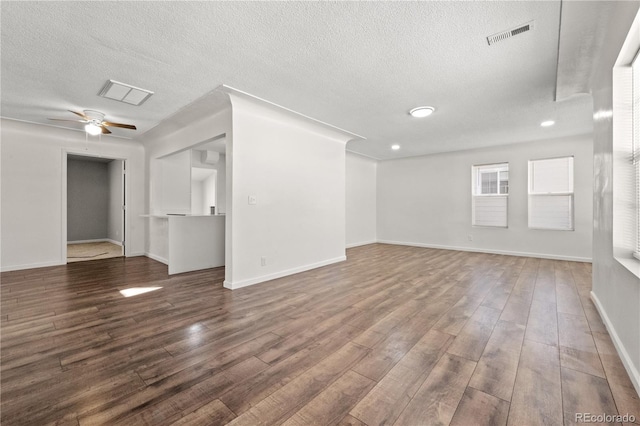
551,193
636,146
490,189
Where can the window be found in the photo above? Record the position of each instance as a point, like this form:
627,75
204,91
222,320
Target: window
635,150
551,194
490,191
623,156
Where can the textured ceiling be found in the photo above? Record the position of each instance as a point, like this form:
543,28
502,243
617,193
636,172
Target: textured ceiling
359,66
581,42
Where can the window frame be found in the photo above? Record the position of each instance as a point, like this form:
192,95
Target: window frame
476,189
490,168
635,144
625,207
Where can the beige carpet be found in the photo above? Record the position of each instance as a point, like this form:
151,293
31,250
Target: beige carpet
92,251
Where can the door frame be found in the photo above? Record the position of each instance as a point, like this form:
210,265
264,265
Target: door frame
124,193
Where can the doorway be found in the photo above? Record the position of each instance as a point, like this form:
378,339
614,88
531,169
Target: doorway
95,208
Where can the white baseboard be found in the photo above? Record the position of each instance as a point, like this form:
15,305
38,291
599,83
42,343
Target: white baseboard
31,266
634,375
58,263
97,240
280,274
491,251
364,243
157,258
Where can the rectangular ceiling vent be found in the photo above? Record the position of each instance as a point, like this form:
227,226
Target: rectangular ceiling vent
125,93
510,33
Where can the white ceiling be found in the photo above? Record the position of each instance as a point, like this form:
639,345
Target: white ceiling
359,66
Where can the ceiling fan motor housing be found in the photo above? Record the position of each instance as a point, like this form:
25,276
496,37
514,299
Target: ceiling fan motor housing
95,117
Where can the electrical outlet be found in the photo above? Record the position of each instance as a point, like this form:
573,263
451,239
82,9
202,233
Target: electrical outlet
470,237
253,200
263,261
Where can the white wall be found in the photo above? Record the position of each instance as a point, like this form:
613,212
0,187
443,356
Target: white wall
219,182
296,170
175,184
221,185
115,201
360,200
32,227
209,194
195,243
426,201
87,200
616,291
203,195
197,194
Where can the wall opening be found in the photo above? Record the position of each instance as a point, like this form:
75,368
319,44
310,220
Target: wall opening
95,208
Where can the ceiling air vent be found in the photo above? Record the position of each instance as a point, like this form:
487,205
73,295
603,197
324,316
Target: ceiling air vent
124,93
510,33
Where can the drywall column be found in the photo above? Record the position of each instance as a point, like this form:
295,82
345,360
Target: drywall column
616,291
288,200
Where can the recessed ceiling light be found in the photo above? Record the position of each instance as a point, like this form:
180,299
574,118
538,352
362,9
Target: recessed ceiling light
395,147
423,111
547,123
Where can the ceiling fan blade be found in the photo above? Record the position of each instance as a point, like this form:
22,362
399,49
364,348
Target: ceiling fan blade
63,119
81,114
124,126
105,131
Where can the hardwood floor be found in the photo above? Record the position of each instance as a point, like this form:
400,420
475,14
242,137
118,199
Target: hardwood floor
394,335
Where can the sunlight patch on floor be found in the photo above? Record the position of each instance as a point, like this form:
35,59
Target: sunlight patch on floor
134,291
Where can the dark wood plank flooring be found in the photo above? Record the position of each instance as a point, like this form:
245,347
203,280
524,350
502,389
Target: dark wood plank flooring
394,335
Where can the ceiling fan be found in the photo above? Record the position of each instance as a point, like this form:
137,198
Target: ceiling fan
95,123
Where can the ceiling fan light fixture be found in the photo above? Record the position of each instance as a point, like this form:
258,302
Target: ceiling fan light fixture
422,111
93,129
